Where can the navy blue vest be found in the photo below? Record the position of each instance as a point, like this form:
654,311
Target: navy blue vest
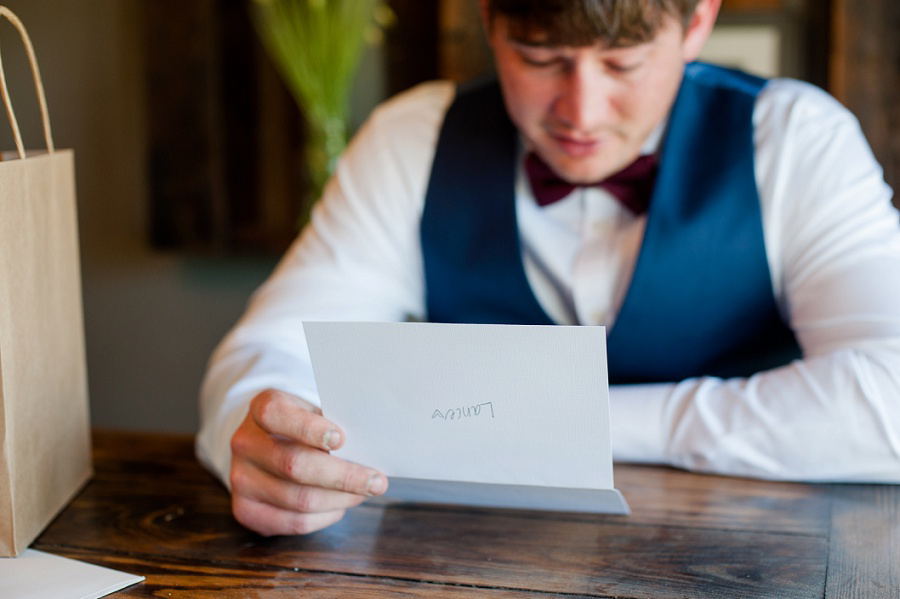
700,300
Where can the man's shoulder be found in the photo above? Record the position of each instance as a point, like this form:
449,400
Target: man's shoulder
390,156
800,92
425,101
777,99
785,99
781,93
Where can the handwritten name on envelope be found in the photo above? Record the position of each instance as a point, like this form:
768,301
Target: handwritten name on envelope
500,415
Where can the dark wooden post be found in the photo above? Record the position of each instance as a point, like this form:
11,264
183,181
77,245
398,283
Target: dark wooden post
865,74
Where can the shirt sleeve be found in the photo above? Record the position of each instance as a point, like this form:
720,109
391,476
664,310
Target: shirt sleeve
359,259
833,243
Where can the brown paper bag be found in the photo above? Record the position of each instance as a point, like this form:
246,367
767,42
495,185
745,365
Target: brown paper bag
44,425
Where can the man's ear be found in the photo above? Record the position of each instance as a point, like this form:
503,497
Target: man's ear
699,27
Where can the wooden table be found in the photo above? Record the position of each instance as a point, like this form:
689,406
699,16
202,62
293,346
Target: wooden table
152,510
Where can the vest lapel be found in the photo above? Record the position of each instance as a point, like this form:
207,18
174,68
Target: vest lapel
470,237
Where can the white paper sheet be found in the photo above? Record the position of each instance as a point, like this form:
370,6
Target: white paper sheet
499,415
38,575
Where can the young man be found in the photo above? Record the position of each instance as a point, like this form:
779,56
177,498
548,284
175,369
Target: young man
752,309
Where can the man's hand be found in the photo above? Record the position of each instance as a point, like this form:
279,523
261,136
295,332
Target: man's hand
283,480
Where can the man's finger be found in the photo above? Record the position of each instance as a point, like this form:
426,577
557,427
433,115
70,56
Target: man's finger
319,469
299,464
289,416
256,484
269,520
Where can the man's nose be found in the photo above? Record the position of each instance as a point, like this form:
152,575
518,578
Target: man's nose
584,100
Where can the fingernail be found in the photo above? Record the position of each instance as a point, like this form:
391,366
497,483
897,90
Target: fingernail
376,485
332,439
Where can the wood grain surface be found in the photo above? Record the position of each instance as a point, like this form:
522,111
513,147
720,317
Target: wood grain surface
152,510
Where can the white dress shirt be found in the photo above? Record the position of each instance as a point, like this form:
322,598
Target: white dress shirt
832,239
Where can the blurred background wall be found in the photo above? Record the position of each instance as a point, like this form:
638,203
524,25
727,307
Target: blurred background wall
152,317
156,306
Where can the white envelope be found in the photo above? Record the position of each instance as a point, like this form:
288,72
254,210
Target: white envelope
38,575
488,415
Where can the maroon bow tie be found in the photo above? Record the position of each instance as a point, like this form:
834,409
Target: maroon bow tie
632,186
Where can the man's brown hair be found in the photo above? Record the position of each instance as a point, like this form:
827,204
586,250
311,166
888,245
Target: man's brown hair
585,22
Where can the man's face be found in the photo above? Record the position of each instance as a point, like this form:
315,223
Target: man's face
587,110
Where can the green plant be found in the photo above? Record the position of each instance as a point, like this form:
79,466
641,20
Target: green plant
316,46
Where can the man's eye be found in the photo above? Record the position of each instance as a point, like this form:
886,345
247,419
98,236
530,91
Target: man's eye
623,67
539,63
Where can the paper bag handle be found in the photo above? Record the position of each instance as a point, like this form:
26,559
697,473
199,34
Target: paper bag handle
38,86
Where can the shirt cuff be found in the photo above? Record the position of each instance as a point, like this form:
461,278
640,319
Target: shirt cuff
636,422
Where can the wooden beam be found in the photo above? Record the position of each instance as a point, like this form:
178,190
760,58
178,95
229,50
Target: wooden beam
865,74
